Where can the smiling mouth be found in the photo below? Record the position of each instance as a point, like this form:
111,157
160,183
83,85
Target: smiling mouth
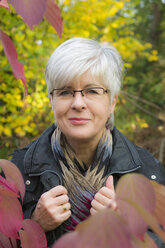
78,121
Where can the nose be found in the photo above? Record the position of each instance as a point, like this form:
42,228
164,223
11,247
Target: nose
78,102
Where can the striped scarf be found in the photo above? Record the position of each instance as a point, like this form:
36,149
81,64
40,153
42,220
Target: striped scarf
81,182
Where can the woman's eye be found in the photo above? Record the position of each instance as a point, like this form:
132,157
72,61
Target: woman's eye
92,91
65,93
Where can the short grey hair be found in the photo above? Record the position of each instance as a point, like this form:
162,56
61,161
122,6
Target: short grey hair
77,56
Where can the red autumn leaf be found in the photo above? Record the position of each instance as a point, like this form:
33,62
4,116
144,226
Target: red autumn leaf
32,235
13,175
69,240
4,4
104,229
135,188
32,11
11,54
149,219
8,188
159,211
11,215
53,16
6,242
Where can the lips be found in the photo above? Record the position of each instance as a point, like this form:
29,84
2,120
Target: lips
78,121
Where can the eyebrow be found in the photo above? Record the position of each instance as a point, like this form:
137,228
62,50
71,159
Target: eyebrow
92,85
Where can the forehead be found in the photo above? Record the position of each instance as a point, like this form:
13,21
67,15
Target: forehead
85,80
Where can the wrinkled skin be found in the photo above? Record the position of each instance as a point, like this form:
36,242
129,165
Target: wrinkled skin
50,212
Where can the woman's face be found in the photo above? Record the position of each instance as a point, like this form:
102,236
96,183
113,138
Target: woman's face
80,118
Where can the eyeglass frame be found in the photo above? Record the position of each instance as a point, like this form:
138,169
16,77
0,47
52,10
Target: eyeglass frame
81,91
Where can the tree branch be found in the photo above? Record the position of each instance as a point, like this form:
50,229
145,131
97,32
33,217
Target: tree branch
144,110
141,100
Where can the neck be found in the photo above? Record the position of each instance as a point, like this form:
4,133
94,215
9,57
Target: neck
85,151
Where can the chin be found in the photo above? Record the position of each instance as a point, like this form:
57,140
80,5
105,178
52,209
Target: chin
79,136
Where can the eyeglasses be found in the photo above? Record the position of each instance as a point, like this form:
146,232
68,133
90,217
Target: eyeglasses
90,93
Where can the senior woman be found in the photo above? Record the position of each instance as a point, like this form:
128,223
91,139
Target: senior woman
68,169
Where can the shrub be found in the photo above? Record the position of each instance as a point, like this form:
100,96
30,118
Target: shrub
140,204
14,231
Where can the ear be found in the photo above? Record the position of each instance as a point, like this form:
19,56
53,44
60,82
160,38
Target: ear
112,107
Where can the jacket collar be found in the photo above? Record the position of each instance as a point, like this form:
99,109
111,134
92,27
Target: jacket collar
39,157
125,157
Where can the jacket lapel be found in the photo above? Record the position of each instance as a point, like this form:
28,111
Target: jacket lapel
125,157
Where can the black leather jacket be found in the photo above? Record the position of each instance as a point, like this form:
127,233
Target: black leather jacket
40,172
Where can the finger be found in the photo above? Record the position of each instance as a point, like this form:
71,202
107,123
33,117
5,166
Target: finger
107,192
102,199
60,209
65,215
93,211
65,207
55,211
51,204
62,199
60,214
97,205
110,183
56,191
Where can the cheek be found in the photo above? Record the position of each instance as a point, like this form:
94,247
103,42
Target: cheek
59,110
56,107
106,109
102,114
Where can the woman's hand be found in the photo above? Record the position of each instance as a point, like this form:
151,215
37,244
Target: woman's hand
52,209
104,198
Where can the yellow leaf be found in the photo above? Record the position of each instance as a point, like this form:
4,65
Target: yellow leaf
120,4
19,37
154,52
113,11
153,58
7,131
19,131
67,2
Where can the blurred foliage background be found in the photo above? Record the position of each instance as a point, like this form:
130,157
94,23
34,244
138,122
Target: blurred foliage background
136,28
